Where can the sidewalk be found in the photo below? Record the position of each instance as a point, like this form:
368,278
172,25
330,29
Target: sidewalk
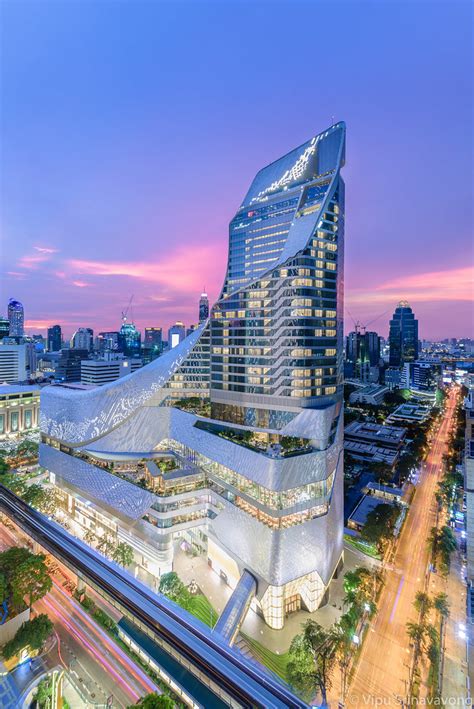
196,568
455,670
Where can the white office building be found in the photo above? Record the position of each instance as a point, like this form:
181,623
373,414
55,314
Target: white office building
13,363
100,371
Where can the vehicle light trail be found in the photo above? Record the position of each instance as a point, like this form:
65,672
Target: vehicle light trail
105,664
117,652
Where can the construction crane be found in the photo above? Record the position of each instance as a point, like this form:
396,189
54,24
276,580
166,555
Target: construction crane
125,312
359,327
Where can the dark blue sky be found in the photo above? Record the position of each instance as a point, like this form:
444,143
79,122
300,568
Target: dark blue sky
131,131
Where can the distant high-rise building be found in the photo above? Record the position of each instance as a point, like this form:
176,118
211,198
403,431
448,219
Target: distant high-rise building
4,328
403,335
16,316
54,338
363,346
129,339
153,338
83,339
176,334
363,355
107,341
68,368
203,307
13,363
422,375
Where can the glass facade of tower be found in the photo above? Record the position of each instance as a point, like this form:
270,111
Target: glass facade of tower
203,307
403,335
276,331
129,340
16,317
54,338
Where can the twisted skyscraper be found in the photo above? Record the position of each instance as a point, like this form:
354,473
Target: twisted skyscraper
258,474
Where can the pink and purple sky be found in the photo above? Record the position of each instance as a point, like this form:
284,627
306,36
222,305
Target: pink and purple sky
132,130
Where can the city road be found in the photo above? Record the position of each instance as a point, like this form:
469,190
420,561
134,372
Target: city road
97,664
383,668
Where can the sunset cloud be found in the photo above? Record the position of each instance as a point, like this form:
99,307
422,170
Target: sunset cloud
45,250
80,284
434,286
180,270
38,324
32,261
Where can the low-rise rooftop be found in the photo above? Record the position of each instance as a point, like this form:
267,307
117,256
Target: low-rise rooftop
371,453
379,434
367,504
409,412
9,389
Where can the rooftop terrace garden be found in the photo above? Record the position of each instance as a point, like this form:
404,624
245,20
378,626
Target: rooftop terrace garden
270,444
194,405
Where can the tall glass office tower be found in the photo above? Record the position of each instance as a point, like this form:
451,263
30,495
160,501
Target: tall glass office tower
16,317
203,307
403,335
276,370
258,466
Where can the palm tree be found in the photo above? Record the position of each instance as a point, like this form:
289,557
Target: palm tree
422,604
447,544
343,634
433,542
90,537
416,632
441,605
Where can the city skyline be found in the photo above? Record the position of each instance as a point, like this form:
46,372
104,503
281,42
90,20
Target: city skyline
107,222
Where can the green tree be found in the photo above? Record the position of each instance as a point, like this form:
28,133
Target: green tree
343,635
90,537
13,482
123,554
32,634
433,541
43,693
172,587
312,659
105,545
27,575
39,497
382,472
441,605
447,544
379,525
4,468
422,604
154,701
27,448
3,587
416,632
